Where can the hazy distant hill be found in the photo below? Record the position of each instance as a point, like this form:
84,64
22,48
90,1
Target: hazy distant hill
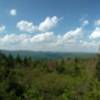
47,55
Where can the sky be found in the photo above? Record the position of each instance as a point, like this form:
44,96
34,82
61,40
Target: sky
50,25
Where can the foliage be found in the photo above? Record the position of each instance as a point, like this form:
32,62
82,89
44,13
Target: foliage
43,79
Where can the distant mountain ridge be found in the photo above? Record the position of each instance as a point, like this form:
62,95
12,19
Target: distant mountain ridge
47,55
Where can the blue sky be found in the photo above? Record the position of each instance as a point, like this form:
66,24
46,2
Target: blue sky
50,25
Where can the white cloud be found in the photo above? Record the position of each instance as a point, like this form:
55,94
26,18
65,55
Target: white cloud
13,12
95,34
26,41
43,37
44,26
48,23
73,34
2,28
89,44
97,22
14,38
85,22
69,37
47,41
25,26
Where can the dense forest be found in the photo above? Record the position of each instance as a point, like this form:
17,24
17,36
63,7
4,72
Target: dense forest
49,79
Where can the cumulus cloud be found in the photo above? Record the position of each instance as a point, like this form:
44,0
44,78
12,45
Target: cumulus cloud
42,41
44,26
95,34
85,22
88,44
69,37
13,12
97,22
47,39
43,37
73,34
14,38
48,23
2,28
25,26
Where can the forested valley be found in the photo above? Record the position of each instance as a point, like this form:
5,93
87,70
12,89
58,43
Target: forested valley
49,79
